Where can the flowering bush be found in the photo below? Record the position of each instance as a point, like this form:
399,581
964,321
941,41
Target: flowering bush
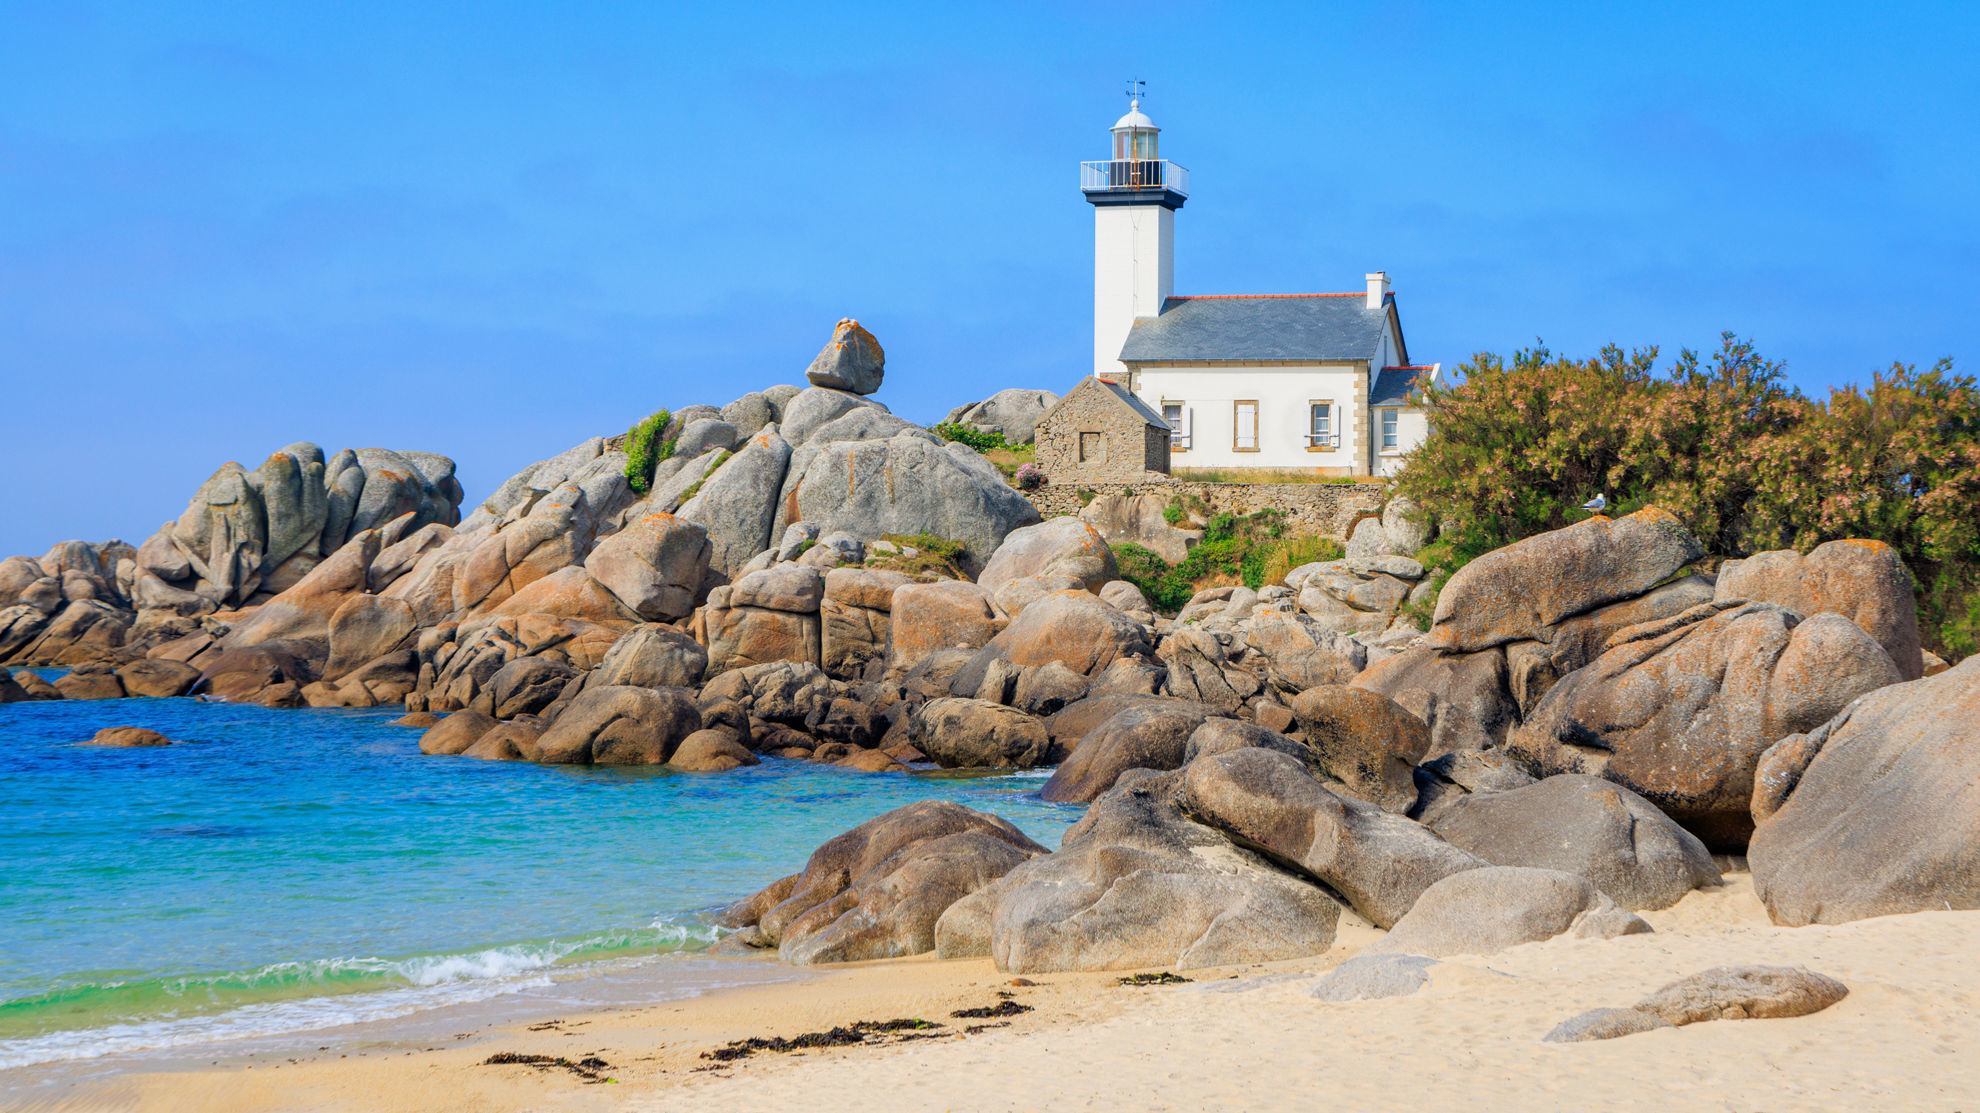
1747,462
1029,478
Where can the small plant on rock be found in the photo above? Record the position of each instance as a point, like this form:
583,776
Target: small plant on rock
644,450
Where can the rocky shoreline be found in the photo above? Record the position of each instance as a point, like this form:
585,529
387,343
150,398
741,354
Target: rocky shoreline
1585,722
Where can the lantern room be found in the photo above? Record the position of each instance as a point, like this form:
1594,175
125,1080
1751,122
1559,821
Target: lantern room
1135,135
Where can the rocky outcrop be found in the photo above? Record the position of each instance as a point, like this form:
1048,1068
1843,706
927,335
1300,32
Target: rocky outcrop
850,361
878,890
855,616
978,734
1073,628
655,566
1519,592
1012,412
1881,810
1484,911
1462,696
619,725
737,503
1140,520
1363,743
1679,710
1060,547
1150,735
1863,581
907,485
653,656
1588,827
1269,801
946,614
1137,884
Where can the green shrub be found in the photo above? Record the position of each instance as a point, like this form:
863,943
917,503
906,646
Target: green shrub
1745,461
933,555
642,454
1086,496
1174,512
975,438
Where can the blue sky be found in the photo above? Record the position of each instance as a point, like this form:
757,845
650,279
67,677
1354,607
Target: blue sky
491,229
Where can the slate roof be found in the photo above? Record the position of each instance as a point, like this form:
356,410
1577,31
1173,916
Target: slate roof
1146,411
1306,327
1392,386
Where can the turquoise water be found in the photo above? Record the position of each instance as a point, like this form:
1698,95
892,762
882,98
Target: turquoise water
291,870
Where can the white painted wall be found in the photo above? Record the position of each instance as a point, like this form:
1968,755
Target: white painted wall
1412,428
1134,270
1283,394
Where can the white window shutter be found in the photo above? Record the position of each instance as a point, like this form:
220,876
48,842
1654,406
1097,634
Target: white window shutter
1189,425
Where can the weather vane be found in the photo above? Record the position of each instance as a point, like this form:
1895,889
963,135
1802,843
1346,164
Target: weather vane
1137,90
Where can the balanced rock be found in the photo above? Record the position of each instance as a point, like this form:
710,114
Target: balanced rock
850,361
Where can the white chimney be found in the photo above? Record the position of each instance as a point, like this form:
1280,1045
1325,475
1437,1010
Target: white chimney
1378,288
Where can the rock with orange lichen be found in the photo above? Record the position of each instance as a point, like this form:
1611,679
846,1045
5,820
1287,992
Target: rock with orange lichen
850,361
1519,592
1863,581
1364,742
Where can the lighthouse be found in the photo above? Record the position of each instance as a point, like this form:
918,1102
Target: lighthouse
1135,195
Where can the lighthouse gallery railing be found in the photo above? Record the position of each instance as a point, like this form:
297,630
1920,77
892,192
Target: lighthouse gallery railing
1133,173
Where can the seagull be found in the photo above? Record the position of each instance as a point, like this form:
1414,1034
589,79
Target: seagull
1597,504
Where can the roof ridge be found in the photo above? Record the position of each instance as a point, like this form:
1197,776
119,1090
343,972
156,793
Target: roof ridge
1205,297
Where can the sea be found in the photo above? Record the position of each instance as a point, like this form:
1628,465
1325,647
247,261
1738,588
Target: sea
280,877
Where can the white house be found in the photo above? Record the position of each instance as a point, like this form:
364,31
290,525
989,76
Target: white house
1318,381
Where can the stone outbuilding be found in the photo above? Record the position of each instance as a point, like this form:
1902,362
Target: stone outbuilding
1101,433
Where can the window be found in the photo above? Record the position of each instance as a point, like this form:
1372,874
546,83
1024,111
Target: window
1089,448
1244,433
1178,418
1320,426
1388,428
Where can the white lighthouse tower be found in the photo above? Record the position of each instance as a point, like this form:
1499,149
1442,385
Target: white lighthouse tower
1135,195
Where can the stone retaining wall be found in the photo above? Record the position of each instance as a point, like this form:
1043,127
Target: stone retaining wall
1323,509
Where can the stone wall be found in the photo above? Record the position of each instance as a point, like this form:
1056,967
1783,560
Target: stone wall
1323,509
1119,446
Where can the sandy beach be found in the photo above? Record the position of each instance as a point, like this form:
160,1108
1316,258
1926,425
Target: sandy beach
1907,1037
